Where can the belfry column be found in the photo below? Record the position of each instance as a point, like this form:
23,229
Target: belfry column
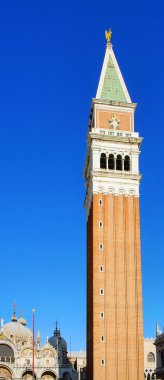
114,289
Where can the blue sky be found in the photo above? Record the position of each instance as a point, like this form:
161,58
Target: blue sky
51,55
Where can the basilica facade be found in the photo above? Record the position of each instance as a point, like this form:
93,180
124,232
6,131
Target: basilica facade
22,358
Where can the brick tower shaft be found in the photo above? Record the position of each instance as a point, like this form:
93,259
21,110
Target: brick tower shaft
114,290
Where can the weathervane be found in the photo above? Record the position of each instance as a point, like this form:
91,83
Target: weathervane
108,35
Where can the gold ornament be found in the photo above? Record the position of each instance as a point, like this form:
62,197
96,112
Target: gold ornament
108,35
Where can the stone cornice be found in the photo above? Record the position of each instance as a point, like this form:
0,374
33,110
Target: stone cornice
112,103
123,139
107,173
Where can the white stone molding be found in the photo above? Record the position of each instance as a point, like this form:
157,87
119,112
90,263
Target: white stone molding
113,186
111,190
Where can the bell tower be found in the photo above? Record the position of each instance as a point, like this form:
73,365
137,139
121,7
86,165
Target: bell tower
114,289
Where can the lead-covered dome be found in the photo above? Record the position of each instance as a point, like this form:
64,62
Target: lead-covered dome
57,341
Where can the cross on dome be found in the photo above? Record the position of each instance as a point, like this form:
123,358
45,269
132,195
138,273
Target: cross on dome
14,317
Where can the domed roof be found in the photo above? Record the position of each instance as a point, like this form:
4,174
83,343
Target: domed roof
17,330
22,321
14,317
57,340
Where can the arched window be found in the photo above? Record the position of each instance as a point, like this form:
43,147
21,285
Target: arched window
6,353
111,162
119,162
150,357
103,161
153,377
127,163
148,376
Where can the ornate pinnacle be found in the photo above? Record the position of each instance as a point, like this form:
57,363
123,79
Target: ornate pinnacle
108,35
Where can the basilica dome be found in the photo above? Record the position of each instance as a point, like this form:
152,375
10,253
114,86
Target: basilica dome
18,331
57,341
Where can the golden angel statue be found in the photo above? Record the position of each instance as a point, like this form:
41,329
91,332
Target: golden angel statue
108,35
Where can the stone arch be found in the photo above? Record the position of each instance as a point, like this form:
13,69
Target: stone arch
119,162
66,376
26,352
5,373
111,190
111,162
6,353
103,161
47,352
28,375
132,192
48,375
101,189
151,357
121,191
127,163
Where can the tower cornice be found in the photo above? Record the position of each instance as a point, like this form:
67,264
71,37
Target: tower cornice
113,103
115,138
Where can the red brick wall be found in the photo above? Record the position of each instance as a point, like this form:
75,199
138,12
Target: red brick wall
121,281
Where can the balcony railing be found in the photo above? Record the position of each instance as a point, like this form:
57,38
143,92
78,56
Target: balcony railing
116,133
7,359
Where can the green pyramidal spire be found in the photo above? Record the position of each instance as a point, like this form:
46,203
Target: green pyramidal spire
111,85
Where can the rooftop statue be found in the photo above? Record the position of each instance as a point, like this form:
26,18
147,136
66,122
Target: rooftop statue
108,35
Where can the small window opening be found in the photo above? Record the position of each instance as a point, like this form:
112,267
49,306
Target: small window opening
100,224
101,292
100,201
119,162
101,246
151,357
102,314
111,162
103,161
127,163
